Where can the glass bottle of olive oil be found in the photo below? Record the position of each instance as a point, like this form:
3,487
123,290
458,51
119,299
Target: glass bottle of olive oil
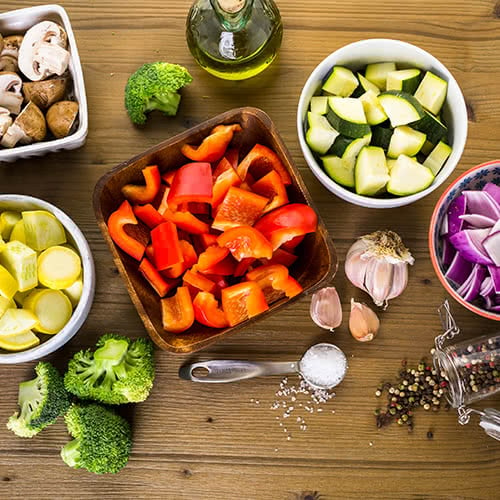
234,39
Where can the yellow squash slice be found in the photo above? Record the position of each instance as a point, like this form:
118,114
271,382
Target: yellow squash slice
17,233
8,284
42,230
58,267
52,308
8,220
17,321
20,261
19,342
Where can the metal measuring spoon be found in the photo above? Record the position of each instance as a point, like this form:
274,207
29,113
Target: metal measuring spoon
228,370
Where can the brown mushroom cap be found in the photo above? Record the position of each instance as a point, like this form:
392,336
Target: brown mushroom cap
46,92
61,116
8,63
1,43
33,122
11,45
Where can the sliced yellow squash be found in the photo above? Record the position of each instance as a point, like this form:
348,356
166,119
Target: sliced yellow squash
58,267
19,342
74,292
8,284
52,308
17,321
17,233
20,261
8,220
42,230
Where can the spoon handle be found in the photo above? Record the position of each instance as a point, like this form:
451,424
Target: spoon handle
228,370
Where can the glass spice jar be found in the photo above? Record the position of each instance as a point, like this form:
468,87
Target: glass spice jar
472,369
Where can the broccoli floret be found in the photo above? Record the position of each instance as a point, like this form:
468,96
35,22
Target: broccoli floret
102,441
155,86
119,371
41,400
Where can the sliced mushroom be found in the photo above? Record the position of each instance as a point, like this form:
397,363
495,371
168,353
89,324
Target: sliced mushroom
61,116
5,121
1,43
11,46
8,63
28,127
46,92
10,92
43,51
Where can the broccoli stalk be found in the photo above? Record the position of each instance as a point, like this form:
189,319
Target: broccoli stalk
41,400
155,86
119,371
102,441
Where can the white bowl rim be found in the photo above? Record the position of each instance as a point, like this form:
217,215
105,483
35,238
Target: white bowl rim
344,193
84,305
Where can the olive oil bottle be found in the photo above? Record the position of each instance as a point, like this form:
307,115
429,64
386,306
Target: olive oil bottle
234,39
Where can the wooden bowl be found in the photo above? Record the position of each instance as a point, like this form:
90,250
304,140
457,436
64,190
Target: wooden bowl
315,267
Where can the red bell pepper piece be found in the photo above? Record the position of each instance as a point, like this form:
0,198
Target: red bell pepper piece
197,208
239,208
271,186
220,282
243,301
233,156
186,221
160,284
281,256
189,259
291,245
149,215
285,223
210,257
213,146
198,281
244,242
207,311
150,254
166,248
260,161
225,176
225,267
274,281
168,177
243,266
144,194
207,240
116,227
177,311
192,182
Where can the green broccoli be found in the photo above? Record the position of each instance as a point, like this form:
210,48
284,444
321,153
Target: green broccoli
155,86
119,371
103,439
41,400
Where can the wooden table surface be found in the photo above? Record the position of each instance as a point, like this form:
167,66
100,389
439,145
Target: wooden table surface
216,442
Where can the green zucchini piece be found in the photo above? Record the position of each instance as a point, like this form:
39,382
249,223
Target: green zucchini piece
371,173
437,157
406,80
431,92
408,177
367,85
382,137
390,163
374,111
377,73
431,126
341,82
427,148
401,108
20,261
340,145
320,136
405,141
319,104
346,115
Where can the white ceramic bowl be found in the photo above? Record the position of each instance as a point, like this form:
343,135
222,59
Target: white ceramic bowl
18,22
357,55
19,202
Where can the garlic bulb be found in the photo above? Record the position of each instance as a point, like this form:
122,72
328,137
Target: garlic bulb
363,322
326,310
378,264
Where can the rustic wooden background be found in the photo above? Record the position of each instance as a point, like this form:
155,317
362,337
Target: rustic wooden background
211,442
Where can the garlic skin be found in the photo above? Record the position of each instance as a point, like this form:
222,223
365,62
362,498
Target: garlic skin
326,309
363,322
378,264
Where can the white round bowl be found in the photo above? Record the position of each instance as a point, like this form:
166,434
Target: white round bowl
357,55
19,202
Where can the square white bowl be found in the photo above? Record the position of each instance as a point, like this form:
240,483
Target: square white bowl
18,22
357,55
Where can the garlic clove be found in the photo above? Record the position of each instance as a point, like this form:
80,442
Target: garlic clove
363,322
399,280
355,269
326,309
378,280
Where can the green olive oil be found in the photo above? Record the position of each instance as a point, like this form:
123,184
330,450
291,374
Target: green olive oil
234,39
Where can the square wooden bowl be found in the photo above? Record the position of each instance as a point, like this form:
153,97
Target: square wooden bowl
315,267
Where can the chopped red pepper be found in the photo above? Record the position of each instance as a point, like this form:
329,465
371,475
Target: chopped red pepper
198,281
150,254
242,301
225,267
160,284
274,281
148,214
233,156
243,266
168,177
213,146
260,161
244,242
117,222
281,256
207,311
291,245
186,221
207,240
271,186
220,282
287,222
189,259
210,257
147,193
225,176
177,311
239,208
162,203
195,207
166,248
192,182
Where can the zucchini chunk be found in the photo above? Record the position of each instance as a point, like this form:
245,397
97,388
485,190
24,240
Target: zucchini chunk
377,73
347,116
374,111
341,82
437,157
371,173
431,126
405,141
401,108
431,92
408,177
406,80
